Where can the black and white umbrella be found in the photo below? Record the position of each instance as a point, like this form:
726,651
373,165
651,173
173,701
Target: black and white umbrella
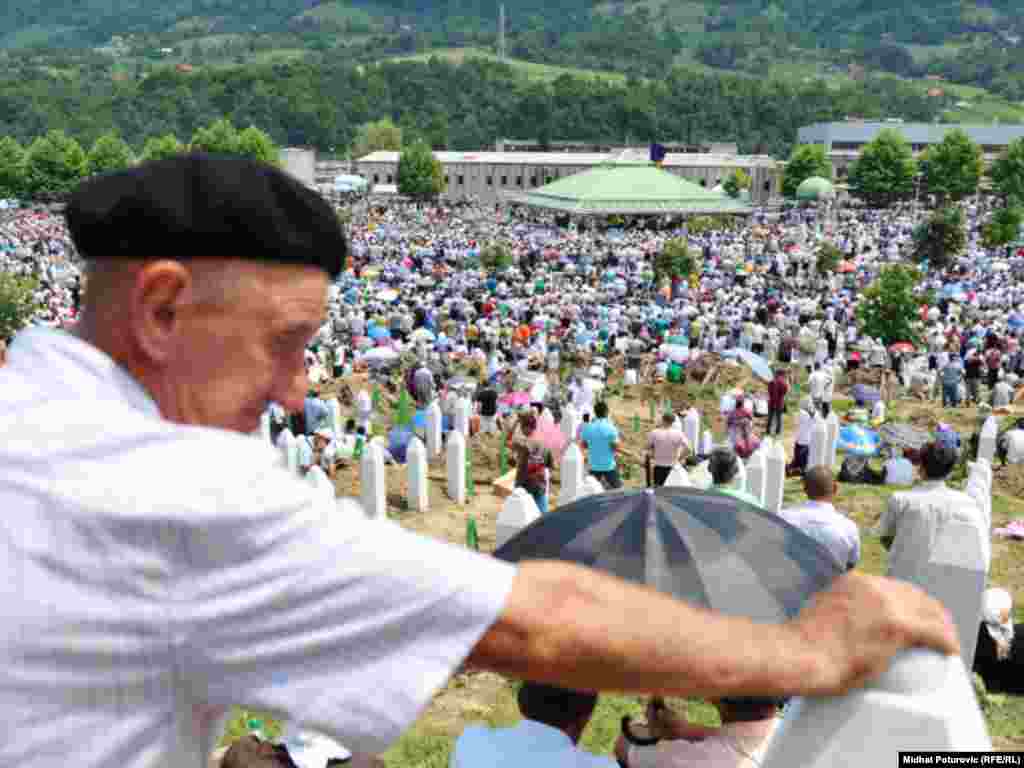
704,547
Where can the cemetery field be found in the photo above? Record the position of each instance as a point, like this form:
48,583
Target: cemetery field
490,698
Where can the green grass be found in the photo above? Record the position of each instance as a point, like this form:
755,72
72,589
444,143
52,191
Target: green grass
35,35
531,70
342,12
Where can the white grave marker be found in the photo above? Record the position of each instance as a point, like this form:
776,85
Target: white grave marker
832,442
434,433
755,475
372,482
570,423
923,698
817,453
987,440
572,471
419,490
678,478
774,475
456,460
518,512
691,426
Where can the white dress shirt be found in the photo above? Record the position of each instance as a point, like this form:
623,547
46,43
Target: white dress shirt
833,530
153,574
528,743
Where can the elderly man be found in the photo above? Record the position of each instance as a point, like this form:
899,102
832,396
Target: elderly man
159,566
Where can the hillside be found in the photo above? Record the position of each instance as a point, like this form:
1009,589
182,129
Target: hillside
970,42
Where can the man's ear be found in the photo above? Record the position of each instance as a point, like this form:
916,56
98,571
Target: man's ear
160,291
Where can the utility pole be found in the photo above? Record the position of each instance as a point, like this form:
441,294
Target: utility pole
501,32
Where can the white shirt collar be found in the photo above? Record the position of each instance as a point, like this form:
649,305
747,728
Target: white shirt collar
79,366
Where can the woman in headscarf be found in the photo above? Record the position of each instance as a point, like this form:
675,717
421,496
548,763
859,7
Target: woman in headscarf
997,658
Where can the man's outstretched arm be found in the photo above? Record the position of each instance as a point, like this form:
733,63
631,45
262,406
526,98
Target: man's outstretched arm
573,626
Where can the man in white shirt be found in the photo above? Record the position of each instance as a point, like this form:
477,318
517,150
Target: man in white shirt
820,520
555,719
158,566
816,383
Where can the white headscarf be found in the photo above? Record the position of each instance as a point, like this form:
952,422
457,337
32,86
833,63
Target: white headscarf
997,613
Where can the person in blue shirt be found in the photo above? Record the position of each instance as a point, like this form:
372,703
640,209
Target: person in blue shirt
602,438
316,414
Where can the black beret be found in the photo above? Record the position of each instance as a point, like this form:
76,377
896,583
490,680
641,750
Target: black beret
202,206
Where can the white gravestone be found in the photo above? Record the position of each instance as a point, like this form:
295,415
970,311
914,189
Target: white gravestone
518,511
678,478
755,476
572,475
922,699
707,443
979,487
691,426
774,475
832,442
289,448
317,478
419,490
337,423
987,439
570,423
463,412
701,477
739,482
629,379
434,430
955,575
372,482
591,486
819,443
456,460
364,410
264,432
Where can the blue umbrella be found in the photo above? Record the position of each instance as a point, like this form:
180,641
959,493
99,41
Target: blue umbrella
1016,320
858,441
377,332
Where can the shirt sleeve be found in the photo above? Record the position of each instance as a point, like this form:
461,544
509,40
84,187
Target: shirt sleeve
346,625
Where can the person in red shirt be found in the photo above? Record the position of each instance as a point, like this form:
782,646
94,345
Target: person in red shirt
778,388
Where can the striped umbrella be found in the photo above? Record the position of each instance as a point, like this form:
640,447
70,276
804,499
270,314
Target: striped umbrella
704,547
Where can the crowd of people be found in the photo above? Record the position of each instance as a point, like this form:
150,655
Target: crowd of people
414,297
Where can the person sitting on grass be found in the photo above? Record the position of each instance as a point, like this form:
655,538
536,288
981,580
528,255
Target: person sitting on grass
747,727
555,719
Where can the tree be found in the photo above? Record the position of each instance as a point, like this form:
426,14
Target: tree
674,262
806,161
953,167
891,305
255,144
1004,226
371,137
735,182
496,256
17,302
885,171
54,165
941,238
1007,172
827,259
162,147
419,173
109,153
12,168
220,138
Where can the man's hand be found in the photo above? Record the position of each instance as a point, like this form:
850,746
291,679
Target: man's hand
862,621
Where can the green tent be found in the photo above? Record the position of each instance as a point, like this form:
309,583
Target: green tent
815,189
628,189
